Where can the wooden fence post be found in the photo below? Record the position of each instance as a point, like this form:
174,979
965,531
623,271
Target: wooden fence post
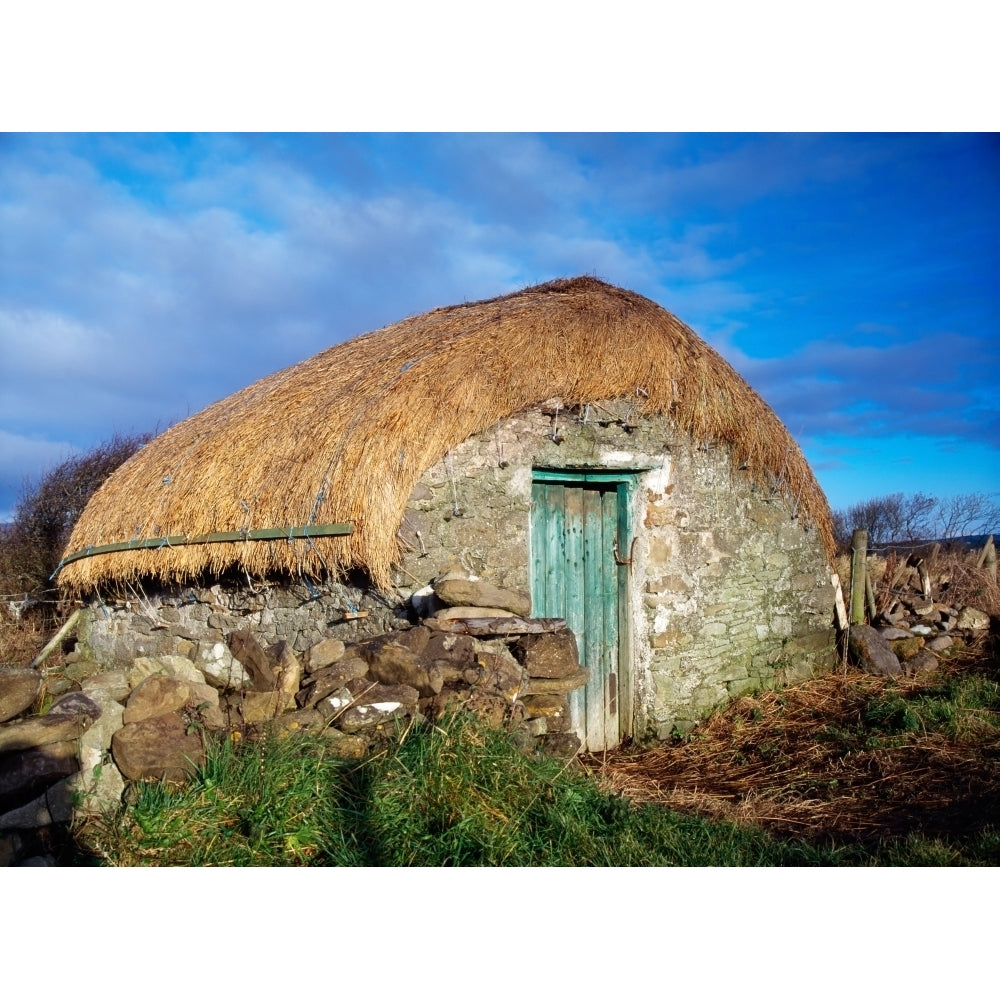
859,571
988,558
869,593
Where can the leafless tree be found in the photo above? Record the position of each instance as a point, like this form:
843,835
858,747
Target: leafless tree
968,514
897,518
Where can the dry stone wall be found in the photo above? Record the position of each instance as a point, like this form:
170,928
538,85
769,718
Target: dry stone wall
71,737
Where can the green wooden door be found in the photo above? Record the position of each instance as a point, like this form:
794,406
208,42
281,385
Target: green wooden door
579,539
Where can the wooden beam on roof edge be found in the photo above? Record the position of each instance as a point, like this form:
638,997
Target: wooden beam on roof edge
171,541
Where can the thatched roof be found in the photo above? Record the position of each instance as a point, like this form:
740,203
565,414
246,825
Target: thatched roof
345,435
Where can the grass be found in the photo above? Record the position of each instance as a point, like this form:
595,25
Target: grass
457,793
890,770
845,770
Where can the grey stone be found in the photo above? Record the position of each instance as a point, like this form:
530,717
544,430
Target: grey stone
386,693
895,633
461,611
220,668
98,736
359,717
31,815
871,652
334,704
923,662
328,680
169,665
972,618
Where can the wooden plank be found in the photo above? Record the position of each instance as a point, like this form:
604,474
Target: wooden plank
612,601
555,545
838,602
624,575
496,626
859,555
539,549
592,649
573,605
68,626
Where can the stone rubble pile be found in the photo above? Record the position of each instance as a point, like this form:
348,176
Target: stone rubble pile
918,628
473,648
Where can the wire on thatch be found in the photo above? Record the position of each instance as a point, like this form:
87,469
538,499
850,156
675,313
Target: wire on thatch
344,436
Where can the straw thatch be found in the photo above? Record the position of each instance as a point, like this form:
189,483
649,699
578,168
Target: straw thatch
345,435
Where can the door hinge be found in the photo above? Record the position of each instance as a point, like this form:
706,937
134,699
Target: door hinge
631,552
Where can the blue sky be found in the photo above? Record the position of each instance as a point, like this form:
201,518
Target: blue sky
853,280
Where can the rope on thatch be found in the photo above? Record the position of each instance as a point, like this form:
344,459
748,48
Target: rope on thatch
344,436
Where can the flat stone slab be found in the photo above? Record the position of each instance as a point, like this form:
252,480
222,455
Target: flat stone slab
558,685
27,773
459,592
66,720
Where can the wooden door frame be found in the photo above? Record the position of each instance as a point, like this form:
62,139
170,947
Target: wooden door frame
626,482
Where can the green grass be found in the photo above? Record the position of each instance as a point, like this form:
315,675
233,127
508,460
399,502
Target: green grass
451,794
962,707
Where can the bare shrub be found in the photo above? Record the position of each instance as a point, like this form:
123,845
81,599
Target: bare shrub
31,547
965,583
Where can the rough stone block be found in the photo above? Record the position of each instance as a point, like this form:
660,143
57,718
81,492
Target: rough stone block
550,654
161,747
18,690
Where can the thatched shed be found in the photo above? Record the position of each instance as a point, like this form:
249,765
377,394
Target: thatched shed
484,434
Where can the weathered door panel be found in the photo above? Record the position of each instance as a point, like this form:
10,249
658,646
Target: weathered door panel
575,527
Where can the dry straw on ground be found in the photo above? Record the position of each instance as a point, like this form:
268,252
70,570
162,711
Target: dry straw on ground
345,435
799,762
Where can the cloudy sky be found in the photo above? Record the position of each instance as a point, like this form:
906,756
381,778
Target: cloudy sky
853,280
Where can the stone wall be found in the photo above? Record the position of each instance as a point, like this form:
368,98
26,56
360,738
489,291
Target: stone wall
729,590
72,735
